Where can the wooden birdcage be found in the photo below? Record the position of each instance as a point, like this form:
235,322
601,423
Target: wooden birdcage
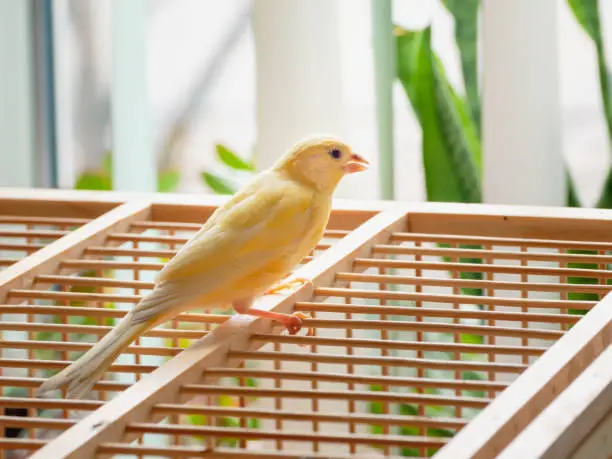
439,330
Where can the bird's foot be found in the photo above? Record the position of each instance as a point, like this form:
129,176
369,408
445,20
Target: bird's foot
292,322
293,284
301,316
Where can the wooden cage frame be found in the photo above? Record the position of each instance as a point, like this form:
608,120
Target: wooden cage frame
518,419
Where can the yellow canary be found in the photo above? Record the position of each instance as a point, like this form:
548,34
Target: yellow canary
244,250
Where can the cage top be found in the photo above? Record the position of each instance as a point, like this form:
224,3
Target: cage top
414,291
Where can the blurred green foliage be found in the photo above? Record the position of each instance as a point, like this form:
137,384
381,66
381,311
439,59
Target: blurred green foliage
233,164
227,421
451,142
101,179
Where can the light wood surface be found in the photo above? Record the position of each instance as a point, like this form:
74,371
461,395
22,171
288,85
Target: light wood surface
435,326
573,424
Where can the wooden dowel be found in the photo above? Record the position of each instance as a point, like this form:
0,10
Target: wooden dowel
450,298
491,254
101,312
82,347
375,396
170,240
472,283
177,226
125,252
480,268
489,240
110,264
31,233
60,364
92,281
437,312
355,378
391,361
96,329
211,410
73,296
101,385
430,346
256,434
29,444
437,327
135,237
166,226
35,423
46,221
334,233
28,248
144,253
49,403
176,451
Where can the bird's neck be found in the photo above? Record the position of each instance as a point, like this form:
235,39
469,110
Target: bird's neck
297,176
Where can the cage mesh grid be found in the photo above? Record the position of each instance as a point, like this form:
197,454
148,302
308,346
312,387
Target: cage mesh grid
410,342
385,390
57,319
21,236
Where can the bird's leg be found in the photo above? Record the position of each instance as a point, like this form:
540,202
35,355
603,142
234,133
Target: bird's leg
293,284
292,322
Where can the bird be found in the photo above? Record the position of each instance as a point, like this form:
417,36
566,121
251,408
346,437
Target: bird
247,248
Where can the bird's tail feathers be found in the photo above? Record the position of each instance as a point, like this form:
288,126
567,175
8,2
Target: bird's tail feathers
162,303
81,375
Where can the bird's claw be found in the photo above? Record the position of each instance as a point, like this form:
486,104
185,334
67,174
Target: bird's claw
293,284
294,324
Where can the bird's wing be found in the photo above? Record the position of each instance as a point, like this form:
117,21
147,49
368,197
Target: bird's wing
261,224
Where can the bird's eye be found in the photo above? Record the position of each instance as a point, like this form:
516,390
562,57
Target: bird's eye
335,153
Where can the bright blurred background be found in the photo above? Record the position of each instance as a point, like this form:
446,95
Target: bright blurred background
499,101
163,87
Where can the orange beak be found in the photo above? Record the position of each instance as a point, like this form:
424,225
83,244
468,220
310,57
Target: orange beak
356,164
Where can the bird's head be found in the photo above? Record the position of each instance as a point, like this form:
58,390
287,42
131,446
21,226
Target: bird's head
320,162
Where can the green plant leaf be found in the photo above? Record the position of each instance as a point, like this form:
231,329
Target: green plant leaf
253,423
248,382
444,433
229,422
168,180
451,156
94,181
580,296
605,198
572,194
587,15
465,13
218,184
467,338
107,163
196,419
232,160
